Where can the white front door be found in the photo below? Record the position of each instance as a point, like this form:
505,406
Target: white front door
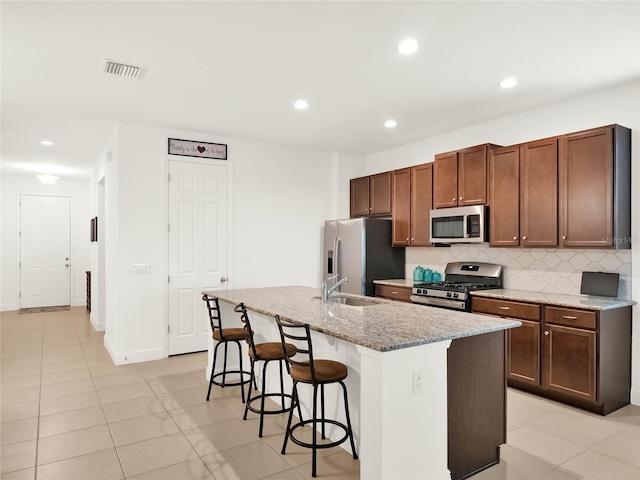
45,251
197,249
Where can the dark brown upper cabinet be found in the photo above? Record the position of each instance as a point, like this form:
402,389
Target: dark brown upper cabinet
371,195
412,201
460,177
595,188
523,195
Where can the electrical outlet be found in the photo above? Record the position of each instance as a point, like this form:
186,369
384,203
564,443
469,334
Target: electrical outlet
418,382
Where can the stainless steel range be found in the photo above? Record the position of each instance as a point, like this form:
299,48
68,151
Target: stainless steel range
460,279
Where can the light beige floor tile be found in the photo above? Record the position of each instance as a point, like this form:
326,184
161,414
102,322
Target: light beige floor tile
121,393
581,429
199,415
19,431
142,428
286,475
623,446
516,464
21,370
103,465
542,445
220,436
556,474
66,403
17,456
149,455
27,474
99,370
114,380
138,407
233,464
172,383
65,365
24,356
273,424
339,466
192,470
53,349
73,444
63,356
94,360
184,398
19,395
65,376
69,421
11,383
593,465
628,415
67,388
19,411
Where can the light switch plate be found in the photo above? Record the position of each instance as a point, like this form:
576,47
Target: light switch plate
139,268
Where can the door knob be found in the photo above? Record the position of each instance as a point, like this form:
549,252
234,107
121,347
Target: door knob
67,259
223,279
66,264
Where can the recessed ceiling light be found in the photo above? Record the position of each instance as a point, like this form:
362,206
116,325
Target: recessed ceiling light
390,123
46,142
407,46
301,104
508,83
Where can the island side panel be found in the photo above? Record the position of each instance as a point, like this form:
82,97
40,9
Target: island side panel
403,432
476,390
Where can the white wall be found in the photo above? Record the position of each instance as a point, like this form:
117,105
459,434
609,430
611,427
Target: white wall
618,105
12,187
279,198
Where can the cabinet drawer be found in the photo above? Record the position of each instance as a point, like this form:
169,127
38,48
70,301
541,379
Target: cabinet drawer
570,317
402,294
526,311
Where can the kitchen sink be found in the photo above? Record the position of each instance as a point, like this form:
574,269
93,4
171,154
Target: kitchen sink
352,301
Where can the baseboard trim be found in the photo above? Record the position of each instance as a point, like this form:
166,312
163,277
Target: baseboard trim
98,326
635,397
134,357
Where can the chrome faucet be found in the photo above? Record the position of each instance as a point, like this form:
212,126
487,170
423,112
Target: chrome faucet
327,291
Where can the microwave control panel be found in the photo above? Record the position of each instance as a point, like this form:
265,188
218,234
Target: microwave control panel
473,226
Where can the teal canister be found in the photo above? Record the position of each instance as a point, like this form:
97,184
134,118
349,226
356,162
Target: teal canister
418,274
427,275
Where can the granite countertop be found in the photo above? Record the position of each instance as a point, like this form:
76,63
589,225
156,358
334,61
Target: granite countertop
383,326
578,301
395,282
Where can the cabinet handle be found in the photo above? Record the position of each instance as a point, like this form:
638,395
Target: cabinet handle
564,237
394,293
412,239
515,238
524,237
503,308
569,317
546,332
460,199
407,239
453,199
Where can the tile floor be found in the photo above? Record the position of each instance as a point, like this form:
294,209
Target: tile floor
68,413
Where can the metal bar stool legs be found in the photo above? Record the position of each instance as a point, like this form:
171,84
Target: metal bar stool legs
223,374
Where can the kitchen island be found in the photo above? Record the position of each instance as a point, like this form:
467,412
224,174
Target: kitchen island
397,356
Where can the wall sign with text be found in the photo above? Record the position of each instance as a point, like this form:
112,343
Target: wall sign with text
190,148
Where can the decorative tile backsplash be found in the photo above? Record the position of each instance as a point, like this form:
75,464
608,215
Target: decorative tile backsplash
556,270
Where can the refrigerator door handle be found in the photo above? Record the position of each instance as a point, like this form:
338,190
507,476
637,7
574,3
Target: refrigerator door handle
336,249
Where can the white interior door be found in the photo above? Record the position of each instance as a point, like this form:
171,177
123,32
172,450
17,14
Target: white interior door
45,251
197,249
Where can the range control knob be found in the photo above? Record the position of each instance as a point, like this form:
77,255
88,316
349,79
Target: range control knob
448,294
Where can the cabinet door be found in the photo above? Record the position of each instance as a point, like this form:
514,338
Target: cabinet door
504,195
421,204
472,176
359,197
445,180
380,194
569,361
539,194
401,213
586,189
523,353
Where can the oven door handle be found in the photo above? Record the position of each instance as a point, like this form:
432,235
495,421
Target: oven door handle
437,302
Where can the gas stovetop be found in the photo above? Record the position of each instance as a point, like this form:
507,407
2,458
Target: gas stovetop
460,279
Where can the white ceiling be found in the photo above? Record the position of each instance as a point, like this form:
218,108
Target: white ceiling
235,69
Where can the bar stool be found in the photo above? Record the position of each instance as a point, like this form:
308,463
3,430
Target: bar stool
223,336
266,352
318,373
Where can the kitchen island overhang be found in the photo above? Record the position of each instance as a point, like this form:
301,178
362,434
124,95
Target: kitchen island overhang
400,423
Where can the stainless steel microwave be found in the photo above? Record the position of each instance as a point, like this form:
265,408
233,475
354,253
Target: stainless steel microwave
459,225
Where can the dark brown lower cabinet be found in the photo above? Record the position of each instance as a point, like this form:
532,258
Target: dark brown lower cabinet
576,356
476,403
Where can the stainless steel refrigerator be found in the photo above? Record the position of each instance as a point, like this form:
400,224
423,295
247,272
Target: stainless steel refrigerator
360,249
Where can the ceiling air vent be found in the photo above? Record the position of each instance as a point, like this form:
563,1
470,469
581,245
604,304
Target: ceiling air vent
122,69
